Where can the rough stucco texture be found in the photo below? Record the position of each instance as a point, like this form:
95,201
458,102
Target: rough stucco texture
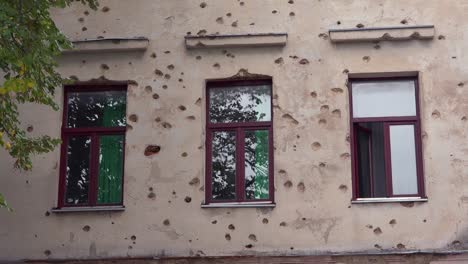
311,126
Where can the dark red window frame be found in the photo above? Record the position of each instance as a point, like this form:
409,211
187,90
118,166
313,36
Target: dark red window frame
387,121
240,128
93,133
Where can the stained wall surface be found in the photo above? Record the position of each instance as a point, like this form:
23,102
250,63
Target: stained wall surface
311,133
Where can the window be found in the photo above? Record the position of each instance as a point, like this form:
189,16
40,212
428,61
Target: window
239,142
93,140
386,138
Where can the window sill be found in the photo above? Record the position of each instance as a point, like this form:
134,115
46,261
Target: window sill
118,208
389,200
239,205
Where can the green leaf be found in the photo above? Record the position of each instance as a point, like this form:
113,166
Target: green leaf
3,203
29,45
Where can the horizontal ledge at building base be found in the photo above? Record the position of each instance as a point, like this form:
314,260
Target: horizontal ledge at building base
88,209
426,32
241,204
236,41
394,256
389,200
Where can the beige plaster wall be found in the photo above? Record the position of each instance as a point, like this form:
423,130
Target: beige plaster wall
319,220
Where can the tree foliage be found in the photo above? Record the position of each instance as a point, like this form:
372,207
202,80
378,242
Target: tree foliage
29,45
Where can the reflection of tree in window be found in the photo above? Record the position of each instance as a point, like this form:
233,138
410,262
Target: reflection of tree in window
240,104
224,166
86,184
88,109
256,164
77,174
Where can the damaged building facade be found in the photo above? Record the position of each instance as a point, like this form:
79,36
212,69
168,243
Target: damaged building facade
330,131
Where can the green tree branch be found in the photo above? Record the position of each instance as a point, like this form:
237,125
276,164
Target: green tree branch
29,45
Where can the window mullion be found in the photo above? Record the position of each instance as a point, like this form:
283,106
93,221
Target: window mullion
354,159
94,170
240,170
419,167
208,164
388,162
63,164
271,177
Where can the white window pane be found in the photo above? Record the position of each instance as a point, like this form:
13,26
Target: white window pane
380,99
403,159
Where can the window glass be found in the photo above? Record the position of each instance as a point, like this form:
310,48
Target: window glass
240,104
96,109
77,170
384,99
371,159
239,120
364,151
403,160
384,146
110,169
223,165
94,159
256,164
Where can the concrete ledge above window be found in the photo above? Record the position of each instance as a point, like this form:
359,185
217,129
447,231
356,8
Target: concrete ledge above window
367,75
389,200
109,45
233,41
89,209
243,204
382,34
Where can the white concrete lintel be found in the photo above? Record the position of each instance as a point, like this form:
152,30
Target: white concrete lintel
232,41
109,45
426,32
